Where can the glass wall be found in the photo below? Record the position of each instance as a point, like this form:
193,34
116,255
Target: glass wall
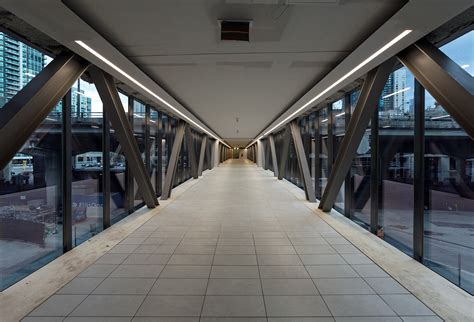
323,149
87,162
119,203
31,231
449,183
338,125
396,160
379,191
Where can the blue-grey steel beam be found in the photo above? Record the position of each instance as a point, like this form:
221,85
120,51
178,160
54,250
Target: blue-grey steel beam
20,117
271,141
118,119
446,81
173,162
365,108
191,153
302,162
202,154
285,149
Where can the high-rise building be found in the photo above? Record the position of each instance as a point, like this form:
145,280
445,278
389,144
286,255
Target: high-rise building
81,110
386,101
19,63
400,103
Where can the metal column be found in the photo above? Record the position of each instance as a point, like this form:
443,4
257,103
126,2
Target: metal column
202,154
67,172
302,162
173,162
366,105
419,172
191,153
106,170
285,149
375,181
348,187
116,114
273,152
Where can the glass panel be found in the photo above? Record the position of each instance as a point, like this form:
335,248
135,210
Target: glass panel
360,176
154,150
339,128
30,204
87,194
30,192
449,197
396,130
323,131
139,125
118,196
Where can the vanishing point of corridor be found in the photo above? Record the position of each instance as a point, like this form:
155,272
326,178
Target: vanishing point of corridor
237,245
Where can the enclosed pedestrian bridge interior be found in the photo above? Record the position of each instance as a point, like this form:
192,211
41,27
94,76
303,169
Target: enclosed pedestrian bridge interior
236,160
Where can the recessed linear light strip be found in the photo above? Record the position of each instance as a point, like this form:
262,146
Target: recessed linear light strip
340,80
146,89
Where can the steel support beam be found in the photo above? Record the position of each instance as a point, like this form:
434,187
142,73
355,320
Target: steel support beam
347,185
266,152
302,162
419,172
274,156
446,81
106,171
67,172
285,149
375,177
191,153
173,162
22,115
114,110
202,154
365,108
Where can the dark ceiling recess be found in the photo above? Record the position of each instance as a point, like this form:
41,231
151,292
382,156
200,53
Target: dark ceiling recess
235,30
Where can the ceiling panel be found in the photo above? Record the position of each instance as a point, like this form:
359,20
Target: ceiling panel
176,43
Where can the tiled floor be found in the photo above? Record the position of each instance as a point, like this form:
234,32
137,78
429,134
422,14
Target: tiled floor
237,246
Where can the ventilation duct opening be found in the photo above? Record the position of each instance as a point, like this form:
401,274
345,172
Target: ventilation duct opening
237,30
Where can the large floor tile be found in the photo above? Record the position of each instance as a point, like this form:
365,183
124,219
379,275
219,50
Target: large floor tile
81,285
234,272
158,305
185,271
234,306
109,305
58,305
331,271
283,272
357,305
235,260
139,271
235,286
125,286
281,306
356,285
294,286
406,304
186,286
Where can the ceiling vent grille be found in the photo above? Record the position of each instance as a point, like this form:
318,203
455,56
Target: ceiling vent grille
237,30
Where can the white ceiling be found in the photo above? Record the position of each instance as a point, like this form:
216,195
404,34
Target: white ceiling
172,48
177,44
